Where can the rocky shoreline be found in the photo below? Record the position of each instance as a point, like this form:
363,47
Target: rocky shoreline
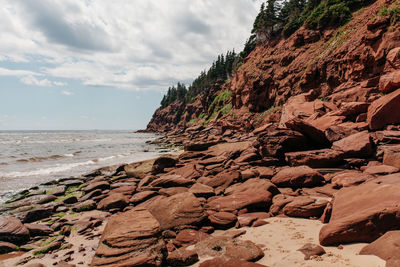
197,207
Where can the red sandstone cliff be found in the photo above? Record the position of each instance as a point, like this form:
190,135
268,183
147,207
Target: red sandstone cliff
349,63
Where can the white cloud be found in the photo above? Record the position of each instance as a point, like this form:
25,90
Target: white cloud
31,80
68,93
9,72
60,83
136,44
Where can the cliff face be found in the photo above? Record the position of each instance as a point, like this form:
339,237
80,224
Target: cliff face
343,64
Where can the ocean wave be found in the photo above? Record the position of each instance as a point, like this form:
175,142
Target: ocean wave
45,171
40,159
59,141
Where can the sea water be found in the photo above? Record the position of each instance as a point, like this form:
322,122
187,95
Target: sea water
29,158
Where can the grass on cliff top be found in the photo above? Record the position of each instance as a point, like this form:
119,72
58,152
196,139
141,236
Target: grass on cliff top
393,11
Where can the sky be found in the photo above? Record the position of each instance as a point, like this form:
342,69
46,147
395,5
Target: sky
101,64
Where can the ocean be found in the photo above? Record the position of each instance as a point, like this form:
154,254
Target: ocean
29,158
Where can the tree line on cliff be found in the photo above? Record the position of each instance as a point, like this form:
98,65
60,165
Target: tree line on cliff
276,19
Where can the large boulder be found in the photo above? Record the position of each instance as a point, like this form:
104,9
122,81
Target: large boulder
178,210
163,162
298,177
322,158
255,199
276,142
362,213
391,156
251,184
356,145
384,111
171,181
139,169
132,238
13,231
387,247
114,201
315,135
389,82
305,207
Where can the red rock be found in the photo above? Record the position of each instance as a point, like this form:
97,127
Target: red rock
189,237
114,201
326,121
391,156
127,190
177,210
86,205
212,160
38,230
356,145
384,111
393,58
314,134
258,199
252,184
222,219
225,262
350,178
265,172
163,162
13,231
352,108
381,169
389,82
305,207
247,219
221,181
386,247
249,173
6,247
92,194
279,202
131,238
277,142
202,190
142,196
315,158
102,185
298,177
139,169
172,191
170,181
199,146
297,106
189,171
230,248
311,250
362,214
182,257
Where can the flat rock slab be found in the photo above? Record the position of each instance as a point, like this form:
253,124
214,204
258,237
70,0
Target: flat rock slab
315,158
298,177
256,199
131,238
362,214
177,210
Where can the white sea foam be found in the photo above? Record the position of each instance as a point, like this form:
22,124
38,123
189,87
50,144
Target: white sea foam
44,171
